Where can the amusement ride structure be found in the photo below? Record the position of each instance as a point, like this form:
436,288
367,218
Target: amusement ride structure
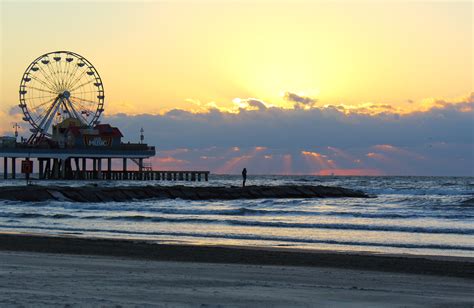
60,85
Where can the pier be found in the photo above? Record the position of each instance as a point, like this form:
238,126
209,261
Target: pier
72,164
67,139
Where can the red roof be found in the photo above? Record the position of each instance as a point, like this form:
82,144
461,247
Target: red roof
104,130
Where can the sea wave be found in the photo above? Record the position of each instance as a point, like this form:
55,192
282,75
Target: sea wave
334,226
37,215
253,223
412,191
244,211
250,237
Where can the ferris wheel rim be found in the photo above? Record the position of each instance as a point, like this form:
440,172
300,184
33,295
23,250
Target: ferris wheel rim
52,89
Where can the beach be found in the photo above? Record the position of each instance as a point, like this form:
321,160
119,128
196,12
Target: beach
70,271
412,245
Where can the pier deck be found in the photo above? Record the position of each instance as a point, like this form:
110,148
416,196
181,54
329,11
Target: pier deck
87,164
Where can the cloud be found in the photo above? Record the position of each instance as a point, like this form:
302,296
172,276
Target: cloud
436,138
300,101
277,127
169,163
437,141
247,104
312,154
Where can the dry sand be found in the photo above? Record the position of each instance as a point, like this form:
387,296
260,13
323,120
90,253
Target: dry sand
86,272
40,279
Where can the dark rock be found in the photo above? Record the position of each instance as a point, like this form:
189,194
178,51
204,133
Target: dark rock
88,196
468,202
74,195
120,194
55,194
103,196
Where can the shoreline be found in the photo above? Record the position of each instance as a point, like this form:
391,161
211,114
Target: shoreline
462,267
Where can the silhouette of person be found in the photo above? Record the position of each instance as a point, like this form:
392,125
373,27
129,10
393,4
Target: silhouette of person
244,176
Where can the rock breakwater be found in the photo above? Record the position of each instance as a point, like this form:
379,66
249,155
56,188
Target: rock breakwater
130,193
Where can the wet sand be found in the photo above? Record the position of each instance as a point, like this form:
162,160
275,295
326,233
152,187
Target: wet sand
42,271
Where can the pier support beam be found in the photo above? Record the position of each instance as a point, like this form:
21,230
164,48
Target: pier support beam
109,168
13,168
125,176
84,168
56,167
5,168
40,169
63,169
99,168
140,168
47,169
94,168
77,173
27,175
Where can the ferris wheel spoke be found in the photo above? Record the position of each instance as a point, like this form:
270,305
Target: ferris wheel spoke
82,106
44,103
84,100
87,92
53,76
40,115
67,73
58,72
41,90
77,80
81,85
64,73
71,76
48,77
55,73
37,97
44,83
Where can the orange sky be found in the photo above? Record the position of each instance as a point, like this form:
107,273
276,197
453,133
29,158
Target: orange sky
316,61
155,56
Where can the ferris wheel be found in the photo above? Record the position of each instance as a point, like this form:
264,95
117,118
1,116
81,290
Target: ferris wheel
60,85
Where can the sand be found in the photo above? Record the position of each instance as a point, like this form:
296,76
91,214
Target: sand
39,279
86,272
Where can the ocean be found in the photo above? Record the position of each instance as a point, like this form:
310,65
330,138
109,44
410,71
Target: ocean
409,215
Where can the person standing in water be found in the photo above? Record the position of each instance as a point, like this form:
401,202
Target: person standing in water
244,176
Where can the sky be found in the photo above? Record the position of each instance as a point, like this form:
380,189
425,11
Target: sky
280,87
